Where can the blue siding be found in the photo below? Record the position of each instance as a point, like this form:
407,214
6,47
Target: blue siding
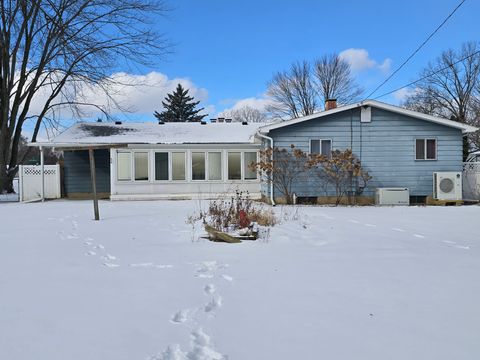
77,171
386,147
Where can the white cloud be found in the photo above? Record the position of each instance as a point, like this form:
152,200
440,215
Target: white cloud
359,60
259,103
402,94
140,94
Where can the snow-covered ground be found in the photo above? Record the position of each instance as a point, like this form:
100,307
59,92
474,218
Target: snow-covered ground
331,283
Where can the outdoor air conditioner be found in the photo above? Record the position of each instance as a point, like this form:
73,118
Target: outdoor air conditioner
447,185
392,196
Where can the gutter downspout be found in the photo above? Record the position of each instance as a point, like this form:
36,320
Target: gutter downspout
271,180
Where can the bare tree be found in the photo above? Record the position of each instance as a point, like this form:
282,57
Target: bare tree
293,92
58,50
246,113
334,80
450,86
299,91
282,168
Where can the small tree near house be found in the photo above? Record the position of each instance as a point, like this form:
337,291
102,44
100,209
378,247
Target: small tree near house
180,107
282,167
342,170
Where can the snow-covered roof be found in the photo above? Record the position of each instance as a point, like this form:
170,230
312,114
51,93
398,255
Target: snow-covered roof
377,104
98,134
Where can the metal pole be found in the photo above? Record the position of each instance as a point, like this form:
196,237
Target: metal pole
94,183
42,166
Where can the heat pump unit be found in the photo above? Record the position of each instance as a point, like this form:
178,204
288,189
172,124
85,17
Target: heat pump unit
447,186
392,196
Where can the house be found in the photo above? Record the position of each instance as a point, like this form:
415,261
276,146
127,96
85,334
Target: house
137,161
398,147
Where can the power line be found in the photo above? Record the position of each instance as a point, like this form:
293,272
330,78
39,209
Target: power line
429,75
417,49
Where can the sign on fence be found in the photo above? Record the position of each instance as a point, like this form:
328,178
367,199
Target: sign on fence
31,182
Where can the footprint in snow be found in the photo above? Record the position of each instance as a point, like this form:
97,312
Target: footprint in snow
449,242
227,278
180,317
201,348
354,221
213,304
419,236
72,236
109,257
90,253
398,229
209,289
110,265
99,247
462,247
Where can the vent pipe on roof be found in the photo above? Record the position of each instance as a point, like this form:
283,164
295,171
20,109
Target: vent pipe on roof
330,104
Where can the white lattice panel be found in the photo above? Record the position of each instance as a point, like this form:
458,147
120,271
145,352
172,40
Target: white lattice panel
471,181
31,182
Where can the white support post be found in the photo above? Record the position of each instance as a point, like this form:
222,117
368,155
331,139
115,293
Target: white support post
42,166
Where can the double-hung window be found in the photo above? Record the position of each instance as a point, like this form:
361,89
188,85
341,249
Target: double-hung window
249,158
161,166
321,147
178,166
141,165
198,166
124,166
425,149
215,165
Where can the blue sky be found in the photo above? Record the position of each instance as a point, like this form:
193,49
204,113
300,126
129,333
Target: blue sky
230,49
226,51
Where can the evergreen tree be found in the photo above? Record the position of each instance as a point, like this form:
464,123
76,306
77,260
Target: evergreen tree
179,107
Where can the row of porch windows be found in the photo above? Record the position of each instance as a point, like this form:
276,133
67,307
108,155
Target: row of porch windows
205,165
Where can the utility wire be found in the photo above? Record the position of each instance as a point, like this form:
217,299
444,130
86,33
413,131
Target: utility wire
417,49
429,75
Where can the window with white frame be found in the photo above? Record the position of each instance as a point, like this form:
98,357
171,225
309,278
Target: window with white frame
214,165
140,165
124,166
321,147
425,149
161,166
178,165
234,165
198,166
249,158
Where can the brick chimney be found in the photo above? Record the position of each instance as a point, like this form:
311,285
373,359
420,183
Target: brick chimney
330,104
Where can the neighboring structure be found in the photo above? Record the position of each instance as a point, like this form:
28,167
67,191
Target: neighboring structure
156,161
398,147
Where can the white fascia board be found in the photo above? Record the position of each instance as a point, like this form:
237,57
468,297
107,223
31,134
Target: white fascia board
415,114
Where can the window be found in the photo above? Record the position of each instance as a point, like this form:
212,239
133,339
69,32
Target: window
234,166
248,159
161,166
124,166
178,166
323,147
214,166
141,165
425,149
198,166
